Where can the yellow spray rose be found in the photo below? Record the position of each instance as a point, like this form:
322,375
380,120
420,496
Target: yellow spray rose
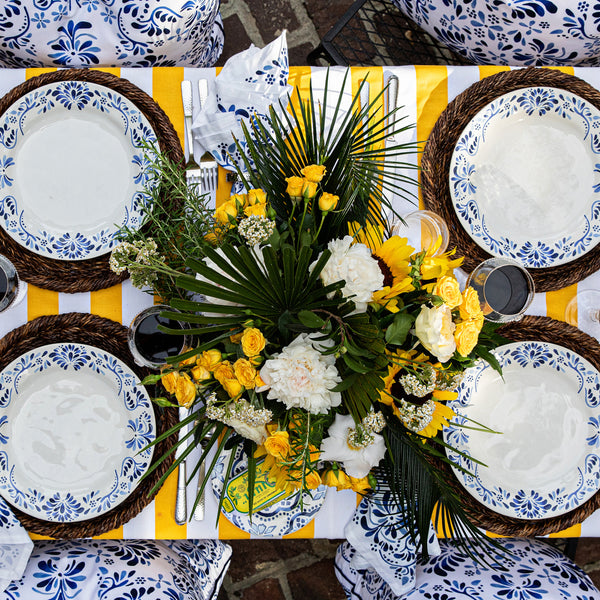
309,189
169,381
245,373
185,390
258,210
212,239
225,211
328,202
200,373
312,480
360,486
448,289
253,342
470,306
209,359
233,387
223,371
314,173
467,334
336,478
277,444
294,187
257,197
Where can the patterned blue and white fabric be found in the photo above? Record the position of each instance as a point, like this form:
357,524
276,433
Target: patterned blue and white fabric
125,33
513,32
382,542
533,570
15,546
122,570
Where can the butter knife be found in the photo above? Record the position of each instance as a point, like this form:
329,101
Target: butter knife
181,498
392,104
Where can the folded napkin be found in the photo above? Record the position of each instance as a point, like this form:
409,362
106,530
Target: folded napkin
248,84
15,547
381,540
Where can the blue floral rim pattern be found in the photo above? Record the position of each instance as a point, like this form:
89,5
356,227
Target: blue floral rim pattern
130,399
526,104
529,503
282,518
64,99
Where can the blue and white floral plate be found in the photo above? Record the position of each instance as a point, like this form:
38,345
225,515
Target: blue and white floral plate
525,177
545,460
276,514
72,169
74,422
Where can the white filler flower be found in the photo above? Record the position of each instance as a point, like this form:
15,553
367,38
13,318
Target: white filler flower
300,376
354,264
357,462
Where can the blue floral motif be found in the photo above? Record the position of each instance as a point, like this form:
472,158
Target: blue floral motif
75,45
72,94
5,163
515,32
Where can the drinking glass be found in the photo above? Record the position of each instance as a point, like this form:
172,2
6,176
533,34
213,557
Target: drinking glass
583,311
151,347
505,289
12,291
423,228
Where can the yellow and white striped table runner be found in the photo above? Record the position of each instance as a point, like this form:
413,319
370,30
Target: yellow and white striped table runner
424,93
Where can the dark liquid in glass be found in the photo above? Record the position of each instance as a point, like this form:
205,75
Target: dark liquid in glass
507,290
154,345
8,288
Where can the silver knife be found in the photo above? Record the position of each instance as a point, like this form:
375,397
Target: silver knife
181,498
199,510
392,104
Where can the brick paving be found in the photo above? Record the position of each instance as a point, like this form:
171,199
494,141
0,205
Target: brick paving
300,569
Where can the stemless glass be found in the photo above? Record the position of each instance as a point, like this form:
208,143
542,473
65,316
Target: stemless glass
505,289
423,228
583,311
12,291
151,347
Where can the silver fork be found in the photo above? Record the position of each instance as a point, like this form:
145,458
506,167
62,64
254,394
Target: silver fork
208,164
193,172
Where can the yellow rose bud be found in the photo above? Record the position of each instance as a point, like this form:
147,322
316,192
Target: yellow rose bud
294,187
235,339
309,189
257,197
448,289
200,373
312,480
470,306
314,173
225,211
253,342
188,361
336,478
223,371
259,210
233,387
239,200
185,390
277,444
209,359
328,202
169,381
360,486
245,373
466,335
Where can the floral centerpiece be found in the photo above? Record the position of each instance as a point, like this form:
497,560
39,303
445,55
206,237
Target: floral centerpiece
324,345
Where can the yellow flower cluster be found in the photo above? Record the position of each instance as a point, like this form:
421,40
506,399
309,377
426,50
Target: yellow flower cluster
210,365
307,187
335,477
470,316
238,205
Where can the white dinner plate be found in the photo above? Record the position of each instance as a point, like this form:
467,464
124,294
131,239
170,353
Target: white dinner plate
545,459
276,513
525,177
72,169
74,426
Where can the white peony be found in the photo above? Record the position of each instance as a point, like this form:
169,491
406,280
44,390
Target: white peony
354,264
357,463
435,329
300,376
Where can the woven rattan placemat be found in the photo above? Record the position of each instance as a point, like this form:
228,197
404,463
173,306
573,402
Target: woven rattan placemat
438,153
556,332
92,274
111,337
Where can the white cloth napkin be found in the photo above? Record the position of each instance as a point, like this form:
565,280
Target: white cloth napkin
381,540
15,547
248,84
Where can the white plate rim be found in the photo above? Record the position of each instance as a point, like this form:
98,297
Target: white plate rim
72,357
103,102
532,254
531,503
